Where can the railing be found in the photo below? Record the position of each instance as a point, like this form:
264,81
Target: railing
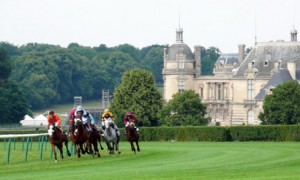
215,101
189,71
250,102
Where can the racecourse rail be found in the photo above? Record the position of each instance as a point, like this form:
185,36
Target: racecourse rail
29,140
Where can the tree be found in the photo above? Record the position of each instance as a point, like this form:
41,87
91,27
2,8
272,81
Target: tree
208,59
184,109
283,105
153,61
12,102
137,93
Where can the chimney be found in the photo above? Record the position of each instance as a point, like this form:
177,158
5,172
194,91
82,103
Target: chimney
291,66
197,54
241,52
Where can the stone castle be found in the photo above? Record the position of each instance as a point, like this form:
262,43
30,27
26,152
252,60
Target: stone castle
234,95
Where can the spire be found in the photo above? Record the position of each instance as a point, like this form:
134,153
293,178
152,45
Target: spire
294,34
179,31
179,36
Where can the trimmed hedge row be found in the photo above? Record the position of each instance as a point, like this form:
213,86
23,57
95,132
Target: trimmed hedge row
234,133
204,133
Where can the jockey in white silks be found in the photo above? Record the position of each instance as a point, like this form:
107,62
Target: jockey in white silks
87,118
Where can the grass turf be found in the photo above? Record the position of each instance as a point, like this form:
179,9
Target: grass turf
163,160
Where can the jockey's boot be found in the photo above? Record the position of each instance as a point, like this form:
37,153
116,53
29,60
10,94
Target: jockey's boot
89,128
126,130
103,128
94,128
137,129
75,132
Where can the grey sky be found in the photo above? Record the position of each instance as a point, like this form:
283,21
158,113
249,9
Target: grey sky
220,23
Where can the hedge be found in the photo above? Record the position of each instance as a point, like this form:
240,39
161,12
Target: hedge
205,133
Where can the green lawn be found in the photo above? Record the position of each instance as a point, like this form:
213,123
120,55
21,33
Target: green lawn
163,160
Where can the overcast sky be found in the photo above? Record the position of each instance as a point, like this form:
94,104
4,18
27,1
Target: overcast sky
220,23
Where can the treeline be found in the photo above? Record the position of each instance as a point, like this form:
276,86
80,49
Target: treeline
49,74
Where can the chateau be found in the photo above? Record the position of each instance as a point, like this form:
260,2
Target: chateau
234,95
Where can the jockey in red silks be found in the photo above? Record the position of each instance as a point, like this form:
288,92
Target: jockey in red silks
129,117
54,120
71,118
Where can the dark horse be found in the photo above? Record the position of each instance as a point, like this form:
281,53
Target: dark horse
56,138
94,138
80,137
133,136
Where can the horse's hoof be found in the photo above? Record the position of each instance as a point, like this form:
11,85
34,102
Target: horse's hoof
56,161
119,152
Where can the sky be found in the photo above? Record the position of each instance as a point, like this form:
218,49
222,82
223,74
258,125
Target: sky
220,23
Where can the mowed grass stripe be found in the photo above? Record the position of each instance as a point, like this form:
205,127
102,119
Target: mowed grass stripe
164,160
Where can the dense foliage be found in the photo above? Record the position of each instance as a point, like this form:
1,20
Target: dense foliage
184,109
137,93
283,105
50,74
12,102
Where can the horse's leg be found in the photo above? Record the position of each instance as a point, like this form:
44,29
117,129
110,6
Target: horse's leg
99,140
137,145
54,151
67,148
81,148
132,146
59,146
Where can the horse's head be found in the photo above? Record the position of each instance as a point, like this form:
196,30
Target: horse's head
78,121
131,124
108,122
51,130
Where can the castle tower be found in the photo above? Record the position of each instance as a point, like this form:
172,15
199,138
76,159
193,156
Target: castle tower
179,67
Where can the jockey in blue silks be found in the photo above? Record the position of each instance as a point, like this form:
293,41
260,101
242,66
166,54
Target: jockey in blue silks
87,118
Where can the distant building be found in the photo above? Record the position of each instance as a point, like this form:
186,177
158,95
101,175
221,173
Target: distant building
235,93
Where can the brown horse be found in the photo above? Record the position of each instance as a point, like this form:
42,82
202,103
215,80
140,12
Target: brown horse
133,136
81,137
95,137
56,138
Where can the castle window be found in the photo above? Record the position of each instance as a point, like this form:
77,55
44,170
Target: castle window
180,64
253,63
201,92
266,63
219,89
250,89
180,86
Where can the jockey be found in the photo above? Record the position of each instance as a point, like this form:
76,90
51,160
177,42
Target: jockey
71,117
87,118
108,114
127,118
54,120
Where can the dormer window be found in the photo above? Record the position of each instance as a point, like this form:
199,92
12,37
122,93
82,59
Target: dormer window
266,63
279,63
180,64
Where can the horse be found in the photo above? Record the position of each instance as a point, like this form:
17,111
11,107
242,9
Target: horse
56,138
133,136
80,137
110,136
95,137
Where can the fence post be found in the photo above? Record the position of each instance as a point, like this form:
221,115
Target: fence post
41,148
26,152
46,141
23,143
14,143
30,143
8,151
39,143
